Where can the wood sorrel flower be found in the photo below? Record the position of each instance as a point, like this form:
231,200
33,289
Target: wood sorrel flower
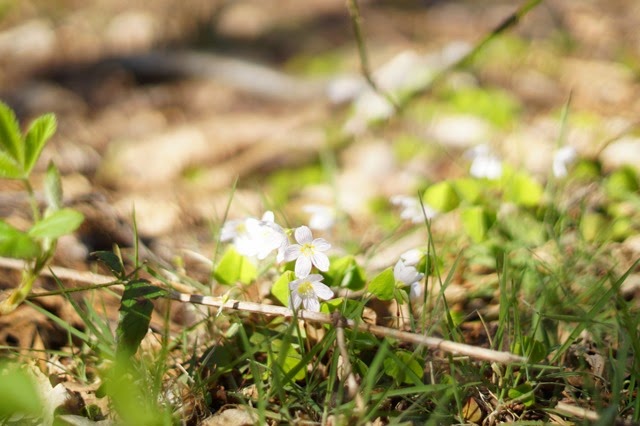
562,158
406,275
307,291
307,252
252,237
484,163
412,209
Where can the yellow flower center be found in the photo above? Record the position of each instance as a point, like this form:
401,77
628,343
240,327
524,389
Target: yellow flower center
305,289
307,249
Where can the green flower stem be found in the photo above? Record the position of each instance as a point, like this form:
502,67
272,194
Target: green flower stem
20,294
29,276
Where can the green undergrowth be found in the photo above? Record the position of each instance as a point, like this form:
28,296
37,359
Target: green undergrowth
539,283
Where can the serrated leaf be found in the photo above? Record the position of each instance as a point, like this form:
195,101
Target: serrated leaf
53,188
234,267
280,289
10,135
37,136
135,315
17,244
441,197
111,261
9,168
58,223
383,285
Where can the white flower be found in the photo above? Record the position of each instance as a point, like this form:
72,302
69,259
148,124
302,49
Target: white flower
322,217
562,158
412,209
412,257
484,163
307,252
407,275
252,237
307,291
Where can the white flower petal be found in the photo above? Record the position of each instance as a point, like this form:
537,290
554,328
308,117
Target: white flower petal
292,252
321,244
296,300
322,291
303,266
268,216
412,257
415,293
311,305
320,260
303,235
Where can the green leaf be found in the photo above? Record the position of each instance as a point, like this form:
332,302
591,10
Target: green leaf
287,361
17,244
383,285
404,368
523,190
58,223
9,167
476,222
111,261
531,348
468,189
346,273
18,393
10,135
621,183
523,393
135,315
280,289
593,226
234,267
441,197
53,188
37,136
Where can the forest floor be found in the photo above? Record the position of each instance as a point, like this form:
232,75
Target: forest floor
194,112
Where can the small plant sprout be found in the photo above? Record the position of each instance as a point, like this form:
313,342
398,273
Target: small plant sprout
322,217
562,159
307,252
307,291
411,209
484,163
36,246
407,275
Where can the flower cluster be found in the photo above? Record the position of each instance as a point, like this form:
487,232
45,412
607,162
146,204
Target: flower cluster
255,238
260,237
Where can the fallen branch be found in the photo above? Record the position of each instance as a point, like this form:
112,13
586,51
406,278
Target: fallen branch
437,343
418,339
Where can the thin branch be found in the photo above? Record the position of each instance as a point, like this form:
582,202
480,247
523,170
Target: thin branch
347,369
418,339
435,343
356,19
509,22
